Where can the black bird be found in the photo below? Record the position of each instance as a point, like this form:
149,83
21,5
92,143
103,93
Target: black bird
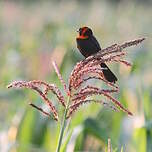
88,45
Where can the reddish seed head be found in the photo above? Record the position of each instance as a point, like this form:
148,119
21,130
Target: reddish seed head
78,91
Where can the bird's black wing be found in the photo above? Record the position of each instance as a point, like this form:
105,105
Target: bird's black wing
108,74
88,46
95,43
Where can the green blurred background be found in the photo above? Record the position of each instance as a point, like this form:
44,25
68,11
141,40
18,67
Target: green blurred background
32,33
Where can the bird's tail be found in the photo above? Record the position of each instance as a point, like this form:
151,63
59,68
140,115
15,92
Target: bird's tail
109,76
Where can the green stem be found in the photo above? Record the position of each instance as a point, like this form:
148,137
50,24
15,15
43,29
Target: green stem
63,125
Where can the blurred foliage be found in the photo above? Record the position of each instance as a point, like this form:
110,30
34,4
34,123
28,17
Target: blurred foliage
32,33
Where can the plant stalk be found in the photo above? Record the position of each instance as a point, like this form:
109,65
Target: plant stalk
63,126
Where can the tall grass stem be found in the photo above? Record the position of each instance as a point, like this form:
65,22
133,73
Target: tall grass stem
63,125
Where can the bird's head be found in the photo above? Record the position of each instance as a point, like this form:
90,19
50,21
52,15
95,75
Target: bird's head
85,32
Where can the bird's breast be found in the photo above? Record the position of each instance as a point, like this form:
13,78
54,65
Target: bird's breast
87,47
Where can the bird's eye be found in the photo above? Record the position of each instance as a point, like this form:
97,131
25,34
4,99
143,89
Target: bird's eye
80,30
